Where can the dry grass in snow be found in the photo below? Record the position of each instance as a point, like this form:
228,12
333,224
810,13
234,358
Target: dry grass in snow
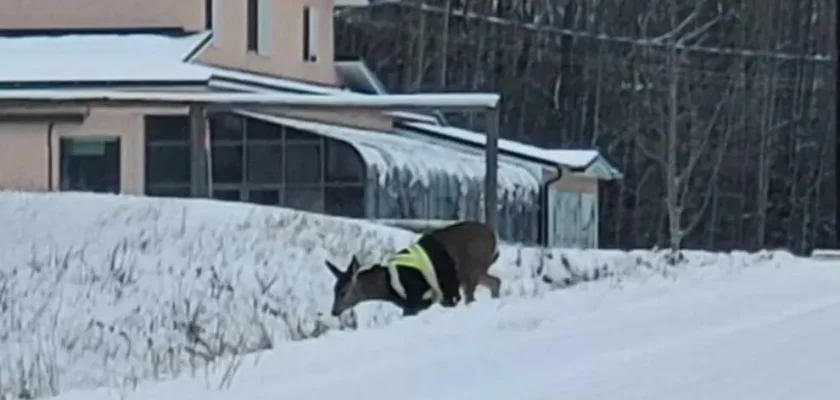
100,290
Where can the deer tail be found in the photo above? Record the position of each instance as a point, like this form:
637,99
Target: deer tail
495,255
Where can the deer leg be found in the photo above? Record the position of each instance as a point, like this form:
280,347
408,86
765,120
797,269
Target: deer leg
469,290
492,283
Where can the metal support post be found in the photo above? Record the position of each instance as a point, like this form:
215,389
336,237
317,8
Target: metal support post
491,179
199,177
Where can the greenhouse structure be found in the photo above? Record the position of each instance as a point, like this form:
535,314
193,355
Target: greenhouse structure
338,170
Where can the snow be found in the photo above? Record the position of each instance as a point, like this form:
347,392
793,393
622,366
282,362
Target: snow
719,333
563,157
349,100
389,153
73,58
107,291
222,74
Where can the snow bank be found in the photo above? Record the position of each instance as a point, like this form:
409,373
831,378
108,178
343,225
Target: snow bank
102,290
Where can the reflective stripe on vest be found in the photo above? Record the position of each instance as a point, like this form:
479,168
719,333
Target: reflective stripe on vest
415,257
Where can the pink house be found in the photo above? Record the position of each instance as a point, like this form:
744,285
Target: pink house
359,163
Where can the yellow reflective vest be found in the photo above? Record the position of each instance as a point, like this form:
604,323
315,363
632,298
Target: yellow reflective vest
415,257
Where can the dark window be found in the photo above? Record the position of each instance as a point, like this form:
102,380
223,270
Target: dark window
267,197
253,24
343,163
303,163
306,37
167,164
306,198
168,190
227,163
162,128
297,134
90,165
226,127
265,163
347,201
226,194
261,130
208,14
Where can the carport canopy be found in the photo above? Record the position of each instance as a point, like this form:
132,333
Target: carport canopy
200,103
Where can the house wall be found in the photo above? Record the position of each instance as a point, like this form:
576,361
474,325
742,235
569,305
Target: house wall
284,55
24,156
573,211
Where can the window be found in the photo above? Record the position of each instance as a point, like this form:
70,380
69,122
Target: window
261,130
305,198
310,34
90,164
264,28
226,127
167,164
266,197
226,194
293,134
209,14
343,163
347,201
259,25
265,163
303,163
227,163
165,190
252,24
164,128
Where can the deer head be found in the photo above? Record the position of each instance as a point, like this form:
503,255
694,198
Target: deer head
355,285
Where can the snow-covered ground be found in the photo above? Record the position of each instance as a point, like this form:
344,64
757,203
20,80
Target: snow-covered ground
116,291
760,333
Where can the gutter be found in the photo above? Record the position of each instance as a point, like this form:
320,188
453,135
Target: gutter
543,234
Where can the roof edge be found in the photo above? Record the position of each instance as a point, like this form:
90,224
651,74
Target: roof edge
163,30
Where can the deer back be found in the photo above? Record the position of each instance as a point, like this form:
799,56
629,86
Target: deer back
472,246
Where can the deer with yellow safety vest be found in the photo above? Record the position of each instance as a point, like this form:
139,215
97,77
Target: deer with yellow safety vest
432,270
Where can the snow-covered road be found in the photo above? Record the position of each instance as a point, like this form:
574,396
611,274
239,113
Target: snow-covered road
760,333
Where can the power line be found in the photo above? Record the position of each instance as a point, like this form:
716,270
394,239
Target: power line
469,15
588,61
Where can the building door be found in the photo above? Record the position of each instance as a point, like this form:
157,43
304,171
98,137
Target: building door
90,164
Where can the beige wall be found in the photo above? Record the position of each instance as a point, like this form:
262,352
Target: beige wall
284,57
24,160
24,156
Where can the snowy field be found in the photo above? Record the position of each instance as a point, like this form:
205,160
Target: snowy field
717,334
117,291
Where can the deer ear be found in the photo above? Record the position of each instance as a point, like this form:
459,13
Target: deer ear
335,271
354,265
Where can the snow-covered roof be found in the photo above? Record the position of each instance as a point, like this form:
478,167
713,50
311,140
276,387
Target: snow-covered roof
26,97
574,159
100,57
388,152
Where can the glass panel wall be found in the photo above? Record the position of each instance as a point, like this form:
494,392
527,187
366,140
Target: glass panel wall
259,162
450,197
167,155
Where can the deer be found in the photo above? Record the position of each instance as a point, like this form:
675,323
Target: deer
431,270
